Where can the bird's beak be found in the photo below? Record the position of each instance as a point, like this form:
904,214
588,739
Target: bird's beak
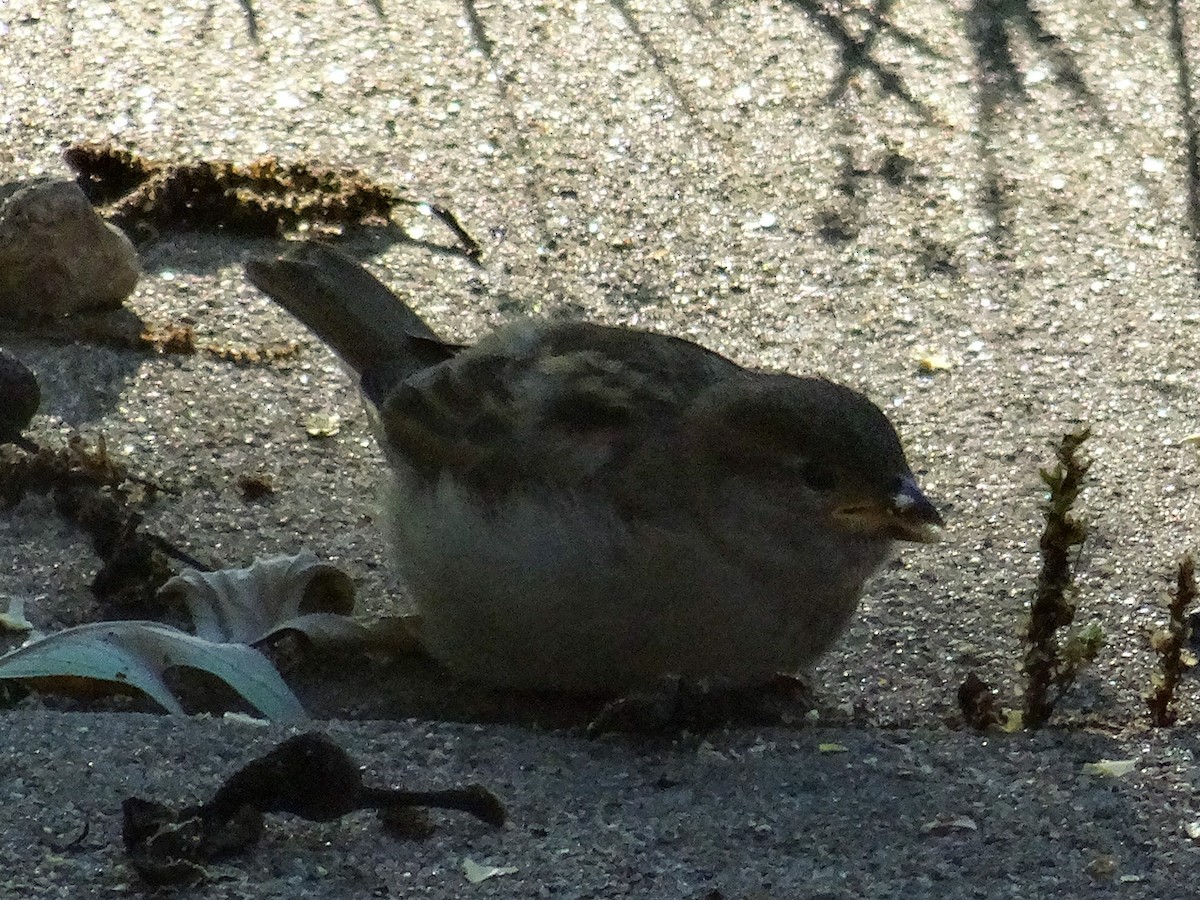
906,516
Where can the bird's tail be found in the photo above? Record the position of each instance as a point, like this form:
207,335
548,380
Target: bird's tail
373,331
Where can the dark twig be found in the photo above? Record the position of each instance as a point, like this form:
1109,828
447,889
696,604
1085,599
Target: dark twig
167,548
471,248
1170,644
479,33
1048,664
307,776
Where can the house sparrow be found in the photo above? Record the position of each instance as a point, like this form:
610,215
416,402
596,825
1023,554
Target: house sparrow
586,508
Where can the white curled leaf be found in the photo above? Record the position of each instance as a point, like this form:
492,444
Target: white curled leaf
134,656
477,873
13,619
248,605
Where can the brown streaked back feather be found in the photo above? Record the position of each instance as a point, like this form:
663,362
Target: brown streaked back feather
562,404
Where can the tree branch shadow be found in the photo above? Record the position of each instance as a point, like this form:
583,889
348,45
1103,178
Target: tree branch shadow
856,49
990,29
1187,115
657,60
478,29
251,15
251,19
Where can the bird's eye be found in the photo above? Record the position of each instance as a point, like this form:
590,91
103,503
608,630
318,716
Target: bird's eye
818,477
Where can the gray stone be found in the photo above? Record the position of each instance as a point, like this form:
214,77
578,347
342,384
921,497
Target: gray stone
57,256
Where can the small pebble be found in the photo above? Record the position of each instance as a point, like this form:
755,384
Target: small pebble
20,397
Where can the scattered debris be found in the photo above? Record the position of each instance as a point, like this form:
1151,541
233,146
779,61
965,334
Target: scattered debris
977,703
255,487
177,339
99,494
1171,644
323,425
266,198
308,776
930,362
253,356
13,618
476,873
181,340
57,256
236,613
949,824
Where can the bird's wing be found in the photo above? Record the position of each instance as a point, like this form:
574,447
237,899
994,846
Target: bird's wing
557,404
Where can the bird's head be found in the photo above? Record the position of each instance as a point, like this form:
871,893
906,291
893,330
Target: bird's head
823,443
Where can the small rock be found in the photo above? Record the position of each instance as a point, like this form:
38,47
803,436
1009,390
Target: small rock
57,256
20,397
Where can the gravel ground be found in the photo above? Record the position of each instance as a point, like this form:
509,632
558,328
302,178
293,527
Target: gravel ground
802,186
888,814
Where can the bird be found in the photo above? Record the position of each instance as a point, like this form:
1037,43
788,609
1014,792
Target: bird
586,508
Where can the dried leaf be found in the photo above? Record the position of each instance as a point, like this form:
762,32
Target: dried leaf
949,824
1012,720
232,609
284,592
135,655
932,362
477,873
1110,768
13,619
323,425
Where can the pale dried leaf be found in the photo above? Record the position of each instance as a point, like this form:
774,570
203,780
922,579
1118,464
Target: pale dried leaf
1110,768
135,655
13,619
247,605
477,873
930,362
323,425
1012,720
948,825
